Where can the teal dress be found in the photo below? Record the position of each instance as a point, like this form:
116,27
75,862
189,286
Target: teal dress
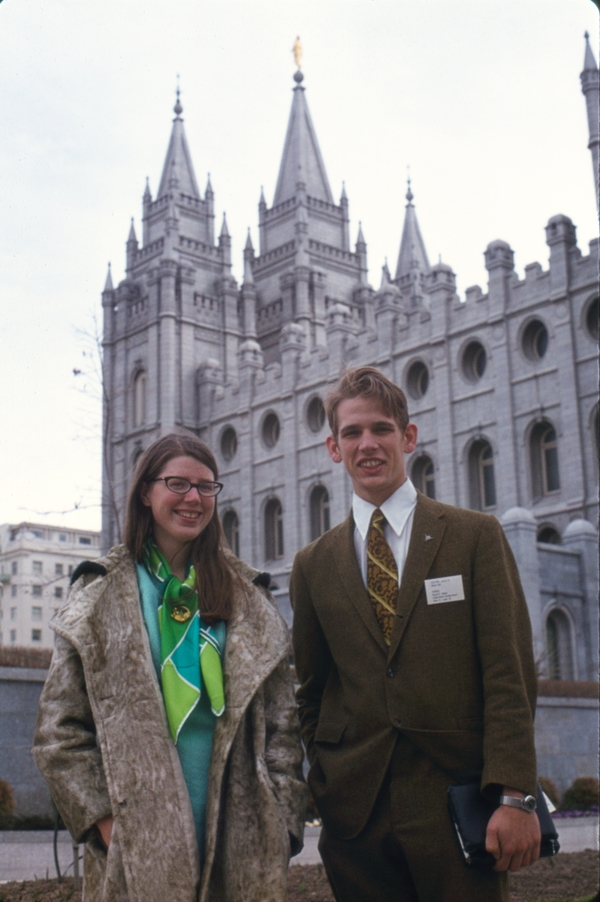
194,744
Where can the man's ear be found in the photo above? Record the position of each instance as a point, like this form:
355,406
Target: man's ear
410,438
334,451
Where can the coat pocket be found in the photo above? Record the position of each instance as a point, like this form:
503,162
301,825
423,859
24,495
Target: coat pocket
330,731
104,878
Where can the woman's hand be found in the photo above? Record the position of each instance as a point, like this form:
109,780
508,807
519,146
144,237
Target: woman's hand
104,826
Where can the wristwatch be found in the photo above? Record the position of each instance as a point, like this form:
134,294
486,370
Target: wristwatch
528,804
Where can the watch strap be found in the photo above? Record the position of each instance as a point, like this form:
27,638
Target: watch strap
527,804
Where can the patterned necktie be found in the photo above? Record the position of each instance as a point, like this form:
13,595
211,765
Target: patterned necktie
382,575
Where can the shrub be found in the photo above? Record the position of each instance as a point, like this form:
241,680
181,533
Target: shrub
7,802
551,790
581,795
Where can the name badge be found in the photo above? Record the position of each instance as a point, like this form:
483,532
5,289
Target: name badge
446,588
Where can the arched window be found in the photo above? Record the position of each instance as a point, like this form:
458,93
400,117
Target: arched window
545,477
560,649
319,512
231,528
139,398
482,483
549,535
273,530
423,475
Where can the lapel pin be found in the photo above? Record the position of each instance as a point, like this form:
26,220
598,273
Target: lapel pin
427,538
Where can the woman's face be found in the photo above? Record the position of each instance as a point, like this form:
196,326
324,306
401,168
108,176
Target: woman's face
179,519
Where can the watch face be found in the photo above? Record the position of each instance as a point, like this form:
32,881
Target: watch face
529,803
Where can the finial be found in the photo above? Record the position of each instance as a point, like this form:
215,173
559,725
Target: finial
587,36
439,258
178,109
409,194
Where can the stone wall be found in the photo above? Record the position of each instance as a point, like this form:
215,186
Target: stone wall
566,731
566,735
20,689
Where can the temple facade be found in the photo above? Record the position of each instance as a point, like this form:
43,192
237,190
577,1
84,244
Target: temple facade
502,383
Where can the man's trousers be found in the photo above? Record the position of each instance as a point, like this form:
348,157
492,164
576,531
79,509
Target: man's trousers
407,852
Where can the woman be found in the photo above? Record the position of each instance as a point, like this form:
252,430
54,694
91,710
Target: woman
167,727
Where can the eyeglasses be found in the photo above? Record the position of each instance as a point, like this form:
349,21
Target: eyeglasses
180,486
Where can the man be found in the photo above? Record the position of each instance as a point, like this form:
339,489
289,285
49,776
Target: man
413,652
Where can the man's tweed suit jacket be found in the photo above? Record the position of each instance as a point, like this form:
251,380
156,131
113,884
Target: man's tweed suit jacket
458,679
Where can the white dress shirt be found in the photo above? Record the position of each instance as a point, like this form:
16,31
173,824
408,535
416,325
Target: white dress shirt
398,511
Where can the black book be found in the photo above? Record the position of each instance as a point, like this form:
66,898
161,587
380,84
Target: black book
470,812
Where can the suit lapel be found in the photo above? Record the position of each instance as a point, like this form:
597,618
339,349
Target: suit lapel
427,532
351,579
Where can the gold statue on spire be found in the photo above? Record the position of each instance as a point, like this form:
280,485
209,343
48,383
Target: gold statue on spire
297,51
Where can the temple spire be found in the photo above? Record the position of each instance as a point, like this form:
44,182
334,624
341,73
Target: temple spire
301,162
108,285
178,162
412,256
589,61
590,86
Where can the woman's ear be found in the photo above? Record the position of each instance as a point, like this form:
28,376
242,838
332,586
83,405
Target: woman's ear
144,495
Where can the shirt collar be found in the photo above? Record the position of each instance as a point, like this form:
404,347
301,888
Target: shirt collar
396,509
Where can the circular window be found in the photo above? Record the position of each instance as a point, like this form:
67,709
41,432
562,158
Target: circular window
535,340
591,319
315,415
474,361
229,443
271,430
417,380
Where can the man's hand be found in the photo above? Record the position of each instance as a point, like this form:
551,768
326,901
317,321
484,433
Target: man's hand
104,826
513,836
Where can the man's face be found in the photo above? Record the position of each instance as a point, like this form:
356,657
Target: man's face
371,446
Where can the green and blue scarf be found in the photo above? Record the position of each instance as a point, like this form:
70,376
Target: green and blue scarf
190,651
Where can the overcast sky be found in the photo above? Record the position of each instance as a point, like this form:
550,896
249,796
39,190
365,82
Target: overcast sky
481,99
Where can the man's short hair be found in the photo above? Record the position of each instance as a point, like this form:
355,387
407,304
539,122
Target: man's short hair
368,382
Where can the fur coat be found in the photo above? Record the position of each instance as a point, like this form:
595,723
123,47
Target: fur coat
103,744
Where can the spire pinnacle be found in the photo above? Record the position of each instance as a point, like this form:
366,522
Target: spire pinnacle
249,246
301,161
360,240
132,236
178,162
412,255
224,229
589,62
108,285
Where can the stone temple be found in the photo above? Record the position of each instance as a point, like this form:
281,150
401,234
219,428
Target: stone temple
502,383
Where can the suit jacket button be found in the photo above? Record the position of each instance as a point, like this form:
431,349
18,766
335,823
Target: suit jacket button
390,672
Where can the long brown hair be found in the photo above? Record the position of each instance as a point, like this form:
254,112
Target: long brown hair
214,578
